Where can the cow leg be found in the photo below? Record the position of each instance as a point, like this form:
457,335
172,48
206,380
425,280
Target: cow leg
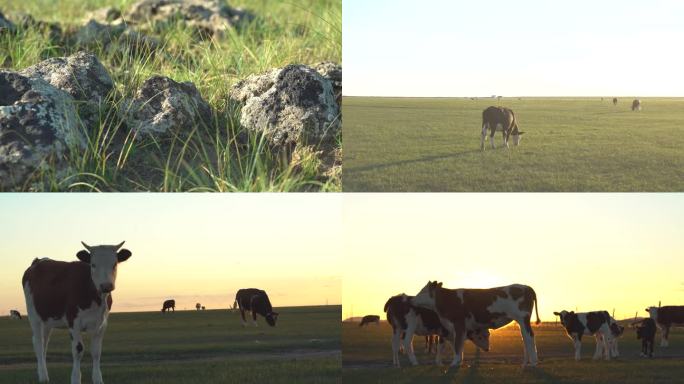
530,348
254,319
242,314
484,136
600,345
459,340
491,136
615,352
76,354
96,352
396,340
439,349
664,338
408,344
578,347
40,338
504,135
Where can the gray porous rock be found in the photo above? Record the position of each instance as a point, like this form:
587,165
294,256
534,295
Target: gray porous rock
290,105
38,125
211,18
27,21
162,106
332,72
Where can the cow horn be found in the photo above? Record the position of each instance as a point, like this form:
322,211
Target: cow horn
116,247
86,246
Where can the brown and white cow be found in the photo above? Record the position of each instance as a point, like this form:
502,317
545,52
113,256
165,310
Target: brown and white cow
665,317
256,301
198,306
596,323
14,314
74,295
636,105
408,320
168,305
369,319
491,308
499,119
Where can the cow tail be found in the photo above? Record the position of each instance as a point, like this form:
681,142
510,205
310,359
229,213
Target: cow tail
387,305
235,305
536,307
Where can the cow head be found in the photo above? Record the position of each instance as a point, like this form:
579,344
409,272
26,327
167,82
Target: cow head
271,318
516,137
103,260
564,315
426,297
616,329
480,337
652,313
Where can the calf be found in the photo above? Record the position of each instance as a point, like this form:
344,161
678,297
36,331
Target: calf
466,309
407,320
615,100
636,105
14,314
596,323
72,295
169,304
646,331
499,119
664,318
255,300
370,319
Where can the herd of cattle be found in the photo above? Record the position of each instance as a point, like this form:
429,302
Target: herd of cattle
454,315
78,296
502,119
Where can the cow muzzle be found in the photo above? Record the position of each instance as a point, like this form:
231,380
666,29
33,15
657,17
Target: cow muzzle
106,287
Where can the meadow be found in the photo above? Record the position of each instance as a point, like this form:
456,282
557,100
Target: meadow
219,156
367,358
190,347
570,144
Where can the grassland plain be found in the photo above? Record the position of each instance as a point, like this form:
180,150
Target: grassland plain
570,144
191,347
212,159
367,358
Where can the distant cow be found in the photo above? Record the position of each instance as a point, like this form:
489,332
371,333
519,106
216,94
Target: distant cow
198,306
665,317
408,320
636,105
646,331
203,308
499,119
169,304
369,319
463,309
73,295
255,300
14,314
598,324
615,100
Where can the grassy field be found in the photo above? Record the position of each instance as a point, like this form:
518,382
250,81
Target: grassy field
220,157
396,144
367,358
191,347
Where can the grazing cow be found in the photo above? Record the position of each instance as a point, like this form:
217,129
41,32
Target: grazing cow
369,319
203,308
14,314
614,100
463,309
198,306
169,304
598,324
408,320
646,331
499,119
665,317
636,105
255,300
73,295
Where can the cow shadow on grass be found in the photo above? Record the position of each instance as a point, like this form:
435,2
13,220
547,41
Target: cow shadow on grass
424,159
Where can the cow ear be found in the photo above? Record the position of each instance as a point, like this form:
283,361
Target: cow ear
123,255
84,256
556,313
439,285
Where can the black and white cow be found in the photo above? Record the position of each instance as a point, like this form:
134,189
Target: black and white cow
636,105
463,309
255,300
408,320
665,317
76,296
499,119
14,314
646,331
615,100
369,319
169,305
598,324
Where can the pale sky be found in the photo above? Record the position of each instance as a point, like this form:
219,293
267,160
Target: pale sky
513,48
578,251
191,247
